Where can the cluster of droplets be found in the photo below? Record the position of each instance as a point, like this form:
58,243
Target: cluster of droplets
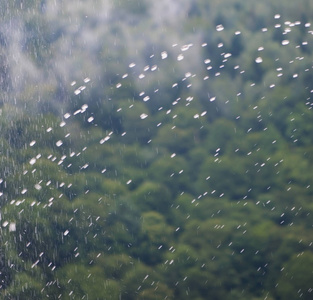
187,77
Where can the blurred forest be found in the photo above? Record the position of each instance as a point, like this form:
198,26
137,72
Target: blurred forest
156,150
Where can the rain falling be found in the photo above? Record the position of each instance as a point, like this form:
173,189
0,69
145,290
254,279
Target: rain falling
156,150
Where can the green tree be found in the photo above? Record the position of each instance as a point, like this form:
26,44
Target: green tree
296,278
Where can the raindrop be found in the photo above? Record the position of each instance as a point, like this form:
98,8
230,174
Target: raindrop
59,143
220,27
259,60
164,54
180,57
285,42
143,116
32,161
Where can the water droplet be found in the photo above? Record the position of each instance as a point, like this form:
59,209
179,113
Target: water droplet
164,54
12,227
37,187
143,116
186,47
285,42
180,57
219,27
59,143
32,161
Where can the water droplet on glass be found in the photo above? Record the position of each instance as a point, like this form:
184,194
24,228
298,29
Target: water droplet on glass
258,60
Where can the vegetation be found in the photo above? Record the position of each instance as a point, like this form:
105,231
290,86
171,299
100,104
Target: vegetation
134,168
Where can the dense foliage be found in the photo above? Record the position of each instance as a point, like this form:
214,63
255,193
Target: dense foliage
146,156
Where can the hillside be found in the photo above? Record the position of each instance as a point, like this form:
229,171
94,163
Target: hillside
156,150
